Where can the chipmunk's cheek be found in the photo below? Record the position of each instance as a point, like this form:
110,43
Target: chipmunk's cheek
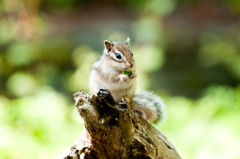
116,65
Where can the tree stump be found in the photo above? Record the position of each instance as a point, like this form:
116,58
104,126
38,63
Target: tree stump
114,130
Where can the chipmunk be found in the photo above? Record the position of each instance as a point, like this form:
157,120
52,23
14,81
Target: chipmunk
115,71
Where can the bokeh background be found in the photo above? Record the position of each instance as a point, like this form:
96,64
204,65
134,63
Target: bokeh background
187,52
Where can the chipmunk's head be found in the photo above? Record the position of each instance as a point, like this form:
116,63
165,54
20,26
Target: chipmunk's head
119,55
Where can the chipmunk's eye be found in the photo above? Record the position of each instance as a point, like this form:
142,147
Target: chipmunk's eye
118,56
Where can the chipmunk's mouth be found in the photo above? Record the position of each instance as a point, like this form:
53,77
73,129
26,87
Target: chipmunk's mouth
128,65
128,69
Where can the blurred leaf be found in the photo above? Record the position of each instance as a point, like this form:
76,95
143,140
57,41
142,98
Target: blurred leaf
150,55
234,5
148,30
4,110
83,57
220,50
160,7
20,54
7,31
57,51
22,83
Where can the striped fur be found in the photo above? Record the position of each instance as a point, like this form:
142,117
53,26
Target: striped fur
107,74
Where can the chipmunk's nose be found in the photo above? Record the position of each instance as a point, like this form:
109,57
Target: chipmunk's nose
127,65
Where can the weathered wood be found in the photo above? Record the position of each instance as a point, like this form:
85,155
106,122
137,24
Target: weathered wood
115,131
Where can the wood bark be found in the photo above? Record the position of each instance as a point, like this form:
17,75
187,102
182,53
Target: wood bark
115,130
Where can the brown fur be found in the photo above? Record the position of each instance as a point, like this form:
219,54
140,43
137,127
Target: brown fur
107,73
124,49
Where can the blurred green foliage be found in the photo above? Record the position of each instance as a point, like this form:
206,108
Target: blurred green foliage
47,49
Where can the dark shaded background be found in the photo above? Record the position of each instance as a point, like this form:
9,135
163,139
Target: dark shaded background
186,51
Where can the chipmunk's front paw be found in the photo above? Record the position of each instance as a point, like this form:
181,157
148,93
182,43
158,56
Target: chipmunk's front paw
124,100
123,77
133,75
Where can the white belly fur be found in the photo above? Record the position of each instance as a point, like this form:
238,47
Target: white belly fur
118,90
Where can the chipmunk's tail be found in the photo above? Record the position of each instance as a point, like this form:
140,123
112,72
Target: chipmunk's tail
149,106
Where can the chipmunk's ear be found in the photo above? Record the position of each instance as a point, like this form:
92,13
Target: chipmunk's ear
108,45
127,41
